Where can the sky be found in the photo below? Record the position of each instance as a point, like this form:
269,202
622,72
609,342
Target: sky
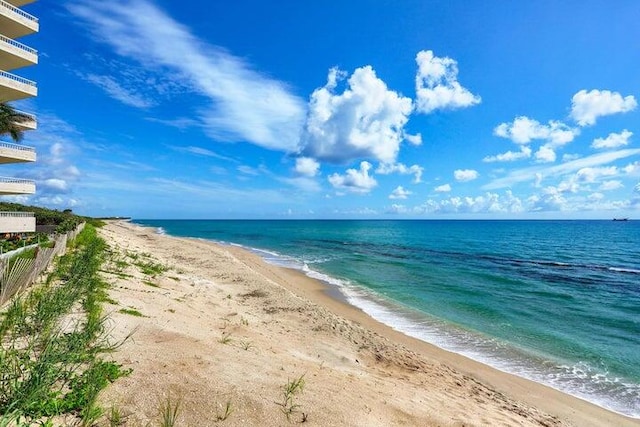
328,109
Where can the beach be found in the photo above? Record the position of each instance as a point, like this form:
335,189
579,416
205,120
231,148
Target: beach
223,332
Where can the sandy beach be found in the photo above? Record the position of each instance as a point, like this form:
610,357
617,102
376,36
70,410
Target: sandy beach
221,329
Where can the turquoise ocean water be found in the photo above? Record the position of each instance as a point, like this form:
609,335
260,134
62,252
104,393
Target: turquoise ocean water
557,302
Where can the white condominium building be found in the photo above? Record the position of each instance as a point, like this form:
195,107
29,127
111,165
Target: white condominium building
16,23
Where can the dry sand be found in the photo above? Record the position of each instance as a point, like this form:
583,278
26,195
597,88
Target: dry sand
223,327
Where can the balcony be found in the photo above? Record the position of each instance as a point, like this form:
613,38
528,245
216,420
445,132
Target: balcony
13,87
15,22
10,186
17,222
14,153
15,55
29,124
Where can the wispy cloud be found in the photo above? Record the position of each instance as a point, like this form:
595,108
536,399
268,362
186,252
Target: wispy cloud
116,91
530,173
201,151
245,105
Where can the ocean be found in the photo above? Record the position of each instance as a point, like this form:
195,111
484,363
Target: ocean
557,302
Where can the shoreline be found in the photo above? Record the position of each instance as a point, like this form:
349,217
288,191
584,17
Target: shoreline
320,293
559,404
386,312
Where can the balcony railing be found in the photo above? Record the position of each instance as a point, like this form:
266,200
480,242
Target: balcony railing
16,147
16,214
5,180
18,45
17,78
18,11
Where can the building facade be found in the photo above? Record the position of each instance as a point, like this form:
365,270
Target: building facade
16,23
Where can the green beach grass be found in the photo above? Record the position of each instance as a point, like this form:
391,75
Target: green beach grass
53,339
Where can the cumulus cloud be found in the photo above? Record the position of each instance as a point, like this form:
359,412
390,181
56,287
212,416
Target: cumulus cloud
354,180
437,85
486,203
523,130
632,169
402,169
586,107
413,139
545,154
307,166
244,104
510,156
366,120
464,175
444,188
614,140
55,184
399,193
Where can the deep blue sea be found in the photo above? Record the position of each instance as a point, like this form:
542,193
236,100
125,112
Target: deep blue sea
557,302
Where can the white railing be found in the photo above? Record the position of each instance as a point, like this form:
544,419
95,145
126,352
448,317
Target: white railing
17,78
4,180
20,46
24,113
18,11
16,146
16,214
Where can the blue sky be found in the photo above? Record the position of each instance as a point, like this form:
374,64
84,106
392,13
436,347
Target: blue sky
334,109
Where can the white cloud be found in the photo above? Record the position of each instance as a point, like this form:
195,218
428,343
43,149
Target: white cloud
614,140
365,121
523,130
593,174
413,139
55,185
245,105
248,170
510,156
200,151
307,166
444,188
437,84
569,157
486,203
545,154
586,107
304,183
402,169
399,193
530,173
611,185
355,181
464,175
116,91
632,169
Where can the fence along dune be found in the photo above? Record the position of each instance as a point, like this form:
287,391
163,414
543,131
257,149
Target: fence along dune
17,274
